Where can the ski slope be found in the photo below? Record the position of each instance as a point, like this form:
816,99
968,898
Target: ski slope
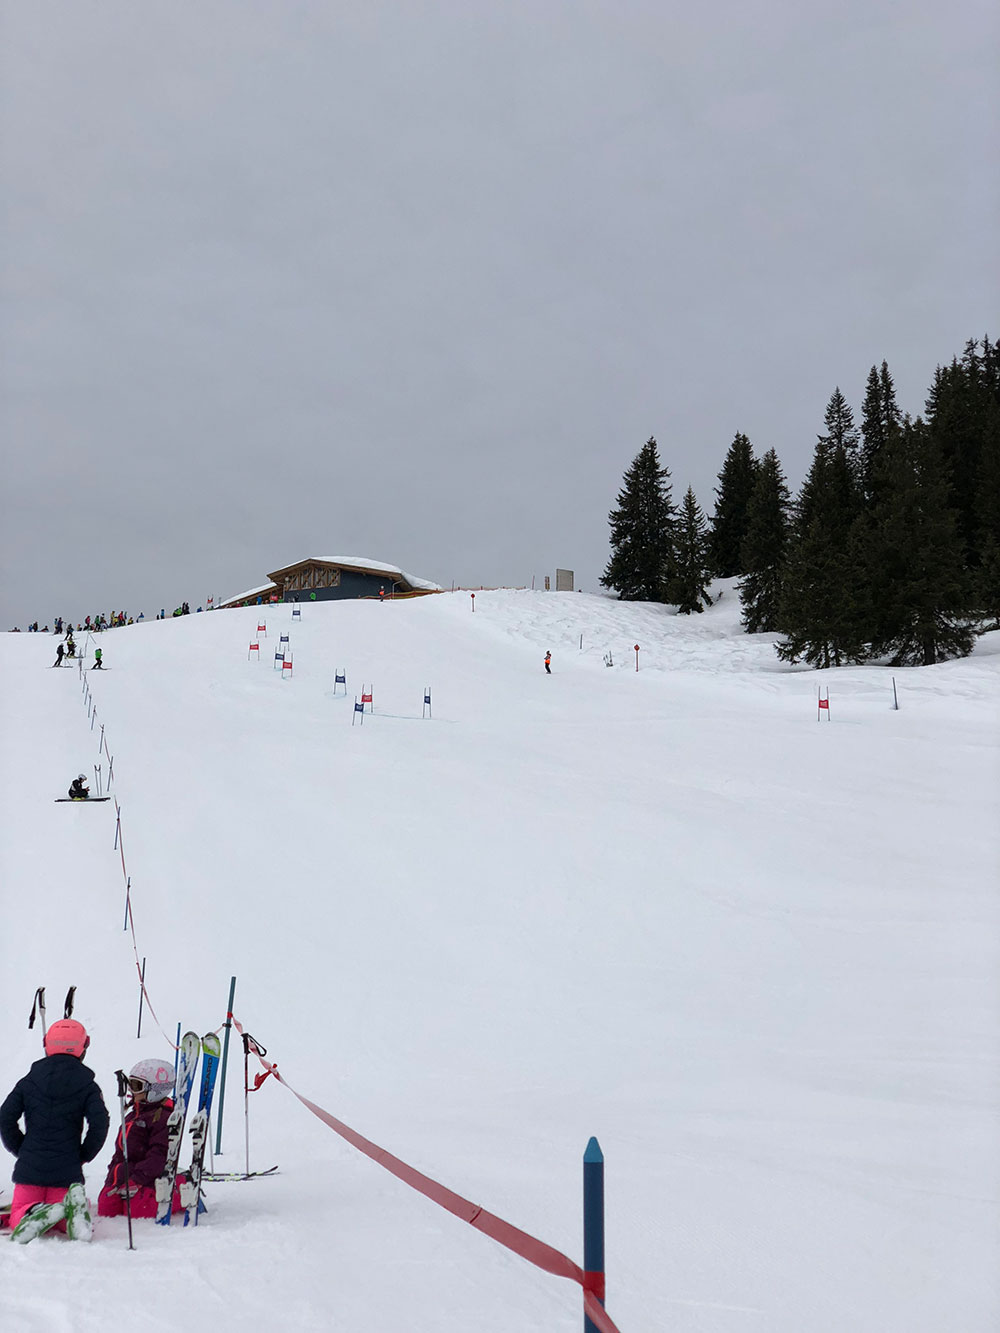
754,954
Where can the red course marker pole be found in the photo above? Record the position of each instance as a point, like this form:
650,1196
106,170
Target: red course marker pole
637,657
473,596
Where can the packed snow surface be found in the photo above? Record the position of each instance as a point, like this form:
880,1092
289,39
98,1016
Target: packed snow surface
753,952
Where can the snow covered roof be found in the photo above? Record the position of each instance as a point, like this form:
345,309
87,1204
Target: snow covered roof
250,592
364,565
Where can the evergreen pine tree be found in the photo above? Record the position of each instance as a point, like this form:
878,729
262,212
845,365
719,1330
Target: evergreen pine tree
921,590
729,522
824,608
642,530
963,412
690,575
764,547
880,418
841,430
986,573
839,421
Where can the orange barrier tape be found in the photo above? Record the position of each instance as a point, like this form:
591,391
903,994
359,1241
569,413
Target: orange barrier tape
528,1247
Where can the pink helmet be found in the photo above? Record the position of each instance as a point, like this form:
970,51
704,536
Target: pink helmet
67,1037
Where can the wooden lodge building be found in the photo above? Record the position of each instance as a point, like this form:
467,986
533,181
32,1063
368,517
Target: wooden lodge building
333,578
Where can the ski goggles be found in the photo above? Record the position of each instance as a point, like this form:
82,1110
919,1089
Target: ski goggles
138,1085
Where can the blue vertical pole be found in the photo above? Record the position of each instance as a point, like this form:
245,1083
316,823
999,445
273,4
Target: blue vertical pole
593,1226
177,1056
225,1061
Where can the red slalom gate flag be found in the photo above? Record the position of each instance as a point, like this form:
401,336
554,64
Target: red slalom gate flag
822,703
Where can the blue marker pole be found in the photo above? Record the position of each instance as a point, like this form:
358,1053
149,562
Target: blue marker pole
225,1061
593,1226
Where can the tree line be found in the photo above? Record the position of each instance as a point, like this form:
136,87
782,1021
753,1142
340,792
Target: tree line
890,550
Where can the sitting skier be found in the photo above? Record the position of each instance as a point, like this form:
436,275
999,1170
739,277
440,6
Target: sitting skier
151,1086
54,1098
78,789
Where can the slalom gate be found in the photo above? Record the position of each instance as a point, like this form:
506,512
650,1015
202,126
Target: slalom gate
590,1279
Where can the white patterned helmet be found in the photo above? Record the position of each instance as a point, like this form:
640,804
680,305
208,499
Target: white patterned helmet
156,1075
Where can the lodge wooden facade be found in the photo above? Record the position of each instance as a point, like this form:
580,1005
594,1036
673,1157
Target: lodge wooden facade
321,580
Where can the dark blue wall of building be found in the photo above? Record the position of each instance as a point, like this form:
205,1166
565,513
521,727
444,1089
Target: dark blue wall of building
352,584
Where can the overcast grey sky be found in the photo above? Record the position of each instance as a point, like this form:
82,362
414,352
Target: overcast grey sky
416,281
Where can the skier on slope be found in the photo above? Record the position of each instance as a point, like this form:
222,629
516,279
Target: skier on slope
98,654
548,663
78,789
151,1086
59,655
54,1098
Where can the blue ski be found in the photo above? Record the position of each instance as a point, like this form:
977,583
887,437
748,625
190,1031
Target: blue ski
191,1187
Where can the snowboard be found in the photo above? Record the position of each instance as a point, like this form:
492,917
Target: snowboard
82,800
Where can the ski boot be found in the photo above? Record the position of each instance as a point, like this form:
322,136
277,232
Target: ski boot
79,1225
39,1218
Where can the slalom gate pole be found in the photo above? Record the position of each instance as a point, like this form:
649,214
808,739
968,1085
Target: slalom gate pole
593,1226
142,992
177,1055
895,700
122,1089
225,1061
128,901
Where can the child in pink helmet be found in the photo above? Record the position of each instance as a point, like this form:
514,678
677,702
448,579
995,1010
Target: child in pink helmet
55,1099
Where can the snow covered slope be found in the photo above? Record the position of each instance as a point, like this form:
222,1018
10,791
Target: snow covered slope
756,955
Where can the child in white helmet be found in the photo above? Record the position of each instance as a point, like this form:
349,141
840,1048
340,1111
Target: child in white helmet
151,1089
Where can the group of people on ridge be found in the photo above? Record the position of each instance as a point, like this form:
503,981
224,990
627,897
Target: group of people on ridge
65,1126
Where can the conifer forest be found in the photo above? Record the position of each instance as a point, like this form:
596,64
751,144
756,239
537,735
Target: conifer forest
889,552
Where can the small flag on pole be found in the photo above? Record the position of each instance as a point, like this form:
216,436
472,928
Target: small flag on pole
822,703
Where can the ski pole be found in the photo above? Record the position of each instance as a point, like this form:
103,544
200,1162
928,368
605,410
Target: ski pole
246,1097
122,1089
249,1044
39,1003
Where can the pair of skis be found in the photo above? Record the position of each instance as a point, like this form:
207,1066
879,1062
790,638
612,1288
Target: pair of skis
210,1049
